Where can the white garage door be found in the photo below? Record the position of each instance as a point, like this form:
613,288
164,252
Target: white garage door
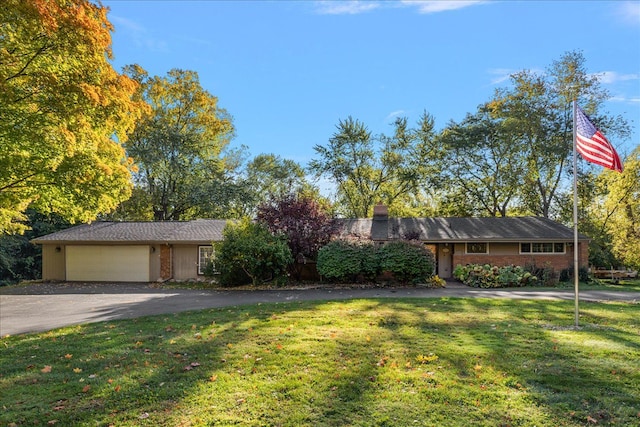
107,263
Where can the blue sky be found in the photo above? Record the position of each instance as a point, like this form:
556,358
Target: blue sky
288,71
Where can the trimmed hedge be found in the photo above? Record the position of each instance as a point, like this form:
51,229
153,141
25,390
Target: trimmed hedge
407,261
345,261
342,261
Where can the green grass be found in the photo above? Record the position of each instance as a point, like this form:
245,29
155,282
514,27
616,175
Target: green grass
629,285
404,362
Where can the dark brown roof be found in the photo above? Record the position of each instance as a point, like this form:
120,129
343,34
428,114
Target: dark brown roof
196,231
459,229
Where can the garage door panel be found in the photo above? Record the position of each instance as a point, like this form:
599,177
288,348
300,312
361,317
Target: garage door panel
108,263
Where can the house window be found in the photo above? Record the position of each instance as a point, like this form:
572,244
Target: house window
205,256
542,248
478,248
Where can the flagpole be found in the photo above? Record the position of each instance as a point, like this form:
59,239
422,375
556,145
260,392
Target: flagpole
576,268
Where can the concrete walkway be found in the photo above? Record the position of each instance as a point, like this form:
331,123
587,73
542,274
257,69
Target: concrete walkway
42,307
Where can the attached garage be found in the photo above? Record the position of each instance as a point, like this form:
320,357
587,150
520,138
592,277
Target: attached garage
107,263
129,251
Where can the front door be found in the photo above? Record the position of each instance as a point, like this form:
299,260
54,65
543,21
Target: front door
445,259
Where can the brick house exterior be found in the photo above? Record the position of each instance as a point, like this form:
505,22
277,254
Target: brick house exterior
459,241
158,251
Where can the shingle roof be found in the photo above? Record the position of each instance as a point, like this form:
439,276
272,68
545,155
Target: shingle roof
425,229
458,229
196,231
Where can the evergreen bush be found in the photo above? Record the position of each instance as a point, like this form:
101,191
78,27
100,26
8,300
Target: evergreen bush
409,262
341,261
250,250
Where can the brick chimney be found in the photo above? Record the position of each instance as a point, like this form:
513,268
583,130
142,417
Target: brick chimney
380,212
380,223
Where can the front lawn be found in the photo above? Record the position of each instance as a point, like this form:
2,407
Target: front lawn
412,362
628,285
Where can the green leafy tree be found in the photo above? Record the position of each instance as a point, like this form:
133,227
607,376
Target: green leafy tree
65,112
486,161
250,248
19,258
539,109
274,176
622,204
388,169
180,146
266,177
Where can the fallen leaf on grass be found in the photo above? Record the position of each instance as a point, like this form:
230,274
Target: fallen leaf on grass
86,388
191,365
68,356
46,369
144,416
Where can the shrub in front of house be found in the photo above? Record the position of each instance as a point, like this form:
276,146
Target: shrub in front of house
491,276
249,249
343,261
407,261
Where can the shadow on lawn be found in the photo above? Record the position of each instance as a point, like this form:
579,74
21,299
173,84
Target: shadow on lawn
162,365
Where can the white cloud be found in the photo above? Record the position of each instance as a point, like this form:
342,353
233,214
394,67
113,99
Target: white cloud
629,12
138,34
350,7
392,115
610,77
500,75
125,23
624,99
435,6
353,7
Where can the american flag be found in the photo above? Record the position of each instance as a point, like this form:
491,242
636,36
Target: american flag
592,144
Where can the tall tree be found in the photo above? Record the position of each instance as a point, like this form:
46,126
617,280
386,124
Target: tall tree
180,146
540,109
486,161
622,220
65,112
265,177
274,176
368,169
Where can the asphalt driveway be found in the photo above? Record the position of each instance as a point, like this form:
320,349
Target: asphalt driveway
42,307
